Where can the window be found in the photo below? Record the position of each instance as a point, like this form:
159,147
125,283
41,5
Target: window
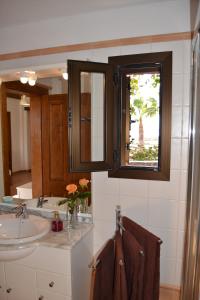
130,115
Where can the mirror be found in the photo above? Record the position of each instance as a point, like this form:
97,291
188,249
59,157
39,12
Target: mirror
90,116
92,98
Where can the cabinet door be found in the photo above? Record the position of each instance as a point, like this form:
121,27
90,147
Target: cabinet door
2,282
44,295
20,282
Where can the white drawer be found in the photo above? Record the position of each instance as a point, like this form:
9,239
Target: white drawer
19,293
2,294
55,283
44,295
20,276
48,259
2,274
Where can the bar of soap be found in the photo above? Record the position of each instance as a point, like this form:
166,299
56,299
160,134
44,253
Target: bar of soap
7,199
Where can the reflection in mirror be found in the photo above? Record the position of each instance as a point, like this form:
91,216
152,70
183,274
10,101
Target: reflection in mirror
92,116
141,118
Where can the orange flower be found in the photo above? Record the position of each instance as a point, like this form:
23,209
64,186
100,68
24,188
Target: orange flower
71,188
83,182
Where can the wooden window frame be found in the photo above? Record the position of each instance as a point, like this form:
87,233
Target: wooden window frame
74,69
164,60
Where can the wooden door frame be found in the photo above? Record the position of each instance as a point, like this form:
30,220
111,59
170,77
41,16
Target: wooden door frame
14,88
4,133
9,140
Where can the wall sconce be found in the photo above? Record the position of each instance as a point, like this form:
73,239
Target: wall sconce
28,76
24,101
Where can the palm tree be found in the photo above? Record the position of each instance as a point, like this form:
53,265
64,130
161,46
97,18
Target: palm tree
141,107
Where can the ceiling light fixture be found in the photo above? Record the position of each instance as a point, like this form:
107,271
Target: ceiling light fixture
24,77
32,79
65,74
28,76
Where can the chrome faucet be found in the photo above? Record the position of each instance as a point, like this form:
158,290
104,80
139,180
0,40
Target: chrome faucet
41,201
21,211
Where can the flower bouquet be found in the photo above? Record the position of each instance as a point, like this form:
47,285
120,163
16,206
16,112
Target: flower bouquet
77,195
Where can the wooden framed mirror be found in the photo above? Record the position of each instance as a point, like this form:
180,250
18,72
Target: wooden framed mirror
90,116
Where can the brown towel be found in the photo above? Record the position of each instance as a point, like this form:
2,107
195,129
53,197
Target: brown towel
103,275
134,263
120,284
150,244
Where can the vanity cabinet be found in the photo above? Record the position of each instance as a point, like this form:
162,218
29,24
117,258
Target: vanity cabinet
2,282
19,283
50,272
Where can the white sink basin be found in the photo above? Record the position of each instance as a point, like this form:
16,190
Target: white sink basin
15,231
18,236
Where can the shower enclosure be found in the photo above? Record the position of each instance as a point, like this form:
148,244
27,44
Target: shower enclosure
191,266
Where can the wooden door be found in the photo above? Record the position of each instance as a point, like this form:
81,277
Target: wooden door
55,146
5,139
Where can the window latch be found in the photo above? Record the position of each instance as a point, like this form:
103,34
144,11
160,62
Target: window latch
70,118
116,78
115,155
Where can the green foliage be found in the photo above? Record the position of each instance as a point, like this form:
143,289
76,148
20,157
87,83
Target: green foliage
141,107
155,80
143,154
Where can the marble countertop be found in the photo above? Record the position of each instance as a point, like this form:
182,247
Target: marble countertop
65,239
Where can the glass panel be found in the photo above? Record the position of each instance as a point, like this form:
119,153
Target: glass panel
142,119
92,116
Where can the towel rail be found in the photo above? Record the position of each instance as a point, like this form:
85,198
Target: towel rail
93,265
119,224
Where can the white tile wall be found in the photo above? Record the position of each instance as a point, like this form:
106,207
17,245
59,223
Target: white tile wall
177,89
157,205
183,186
176,121
176,154
135,208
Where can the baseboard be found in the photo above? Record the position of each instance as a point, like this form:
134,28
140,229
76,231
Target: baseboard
169,292
21,171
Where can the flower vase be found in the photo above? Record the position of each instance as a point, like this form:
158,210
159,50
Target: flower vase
71,218
84,206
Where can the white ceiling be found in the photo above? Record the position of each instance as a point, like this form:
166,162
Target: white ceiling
16,12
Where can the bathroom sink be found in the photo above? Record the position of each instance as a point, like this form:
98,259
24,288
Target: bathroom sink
15,231
18,236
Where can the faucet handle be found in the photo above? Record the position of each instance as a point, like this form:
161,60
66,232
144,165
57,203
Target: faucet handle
21,210
20,206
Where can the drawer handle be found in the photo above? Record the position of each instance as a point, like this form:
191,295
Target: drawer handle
41,298
51,284
9,290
